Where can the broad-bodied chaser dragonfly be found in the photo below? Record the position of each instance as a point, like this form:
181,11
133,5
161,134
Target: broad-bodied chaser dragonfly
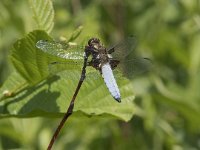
103,59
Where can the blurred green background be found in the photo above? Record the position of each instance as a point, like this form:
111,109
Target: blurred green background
168,101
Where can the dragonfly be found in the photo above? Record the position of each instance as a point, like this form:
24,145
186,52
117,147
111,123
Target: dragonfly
104,60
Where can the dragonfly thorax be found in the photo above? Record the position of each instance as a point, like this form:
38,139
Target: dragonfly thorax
98,53
98,60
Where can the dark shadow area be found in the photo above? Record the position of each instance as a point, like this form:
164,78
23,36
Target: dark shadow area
39,101
44,100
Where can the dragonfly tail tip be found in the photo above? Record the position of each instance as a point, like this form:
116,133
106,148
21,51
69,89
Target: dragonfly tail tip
118,99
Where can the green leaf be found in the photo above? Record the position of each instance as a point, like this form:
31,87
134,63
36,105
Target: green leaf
50,96
29,61
43,13
14,84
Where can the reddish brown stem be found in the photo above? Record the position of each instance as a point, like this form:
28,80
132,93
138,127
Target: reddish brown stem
71,106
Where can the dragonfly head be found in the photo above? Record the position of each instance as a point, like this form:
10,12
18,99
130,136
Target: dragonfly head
94,43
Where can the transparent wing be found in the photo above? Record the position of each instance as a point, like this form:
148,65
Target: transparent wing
56,67
69,67
62,50
135,66
123,49
130,63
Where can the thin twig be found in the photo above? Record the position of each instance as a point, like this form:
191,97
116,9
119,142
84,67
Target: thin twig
71,106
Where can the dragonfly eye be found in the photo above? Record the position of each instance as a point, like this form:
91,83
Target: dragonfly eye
93,41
